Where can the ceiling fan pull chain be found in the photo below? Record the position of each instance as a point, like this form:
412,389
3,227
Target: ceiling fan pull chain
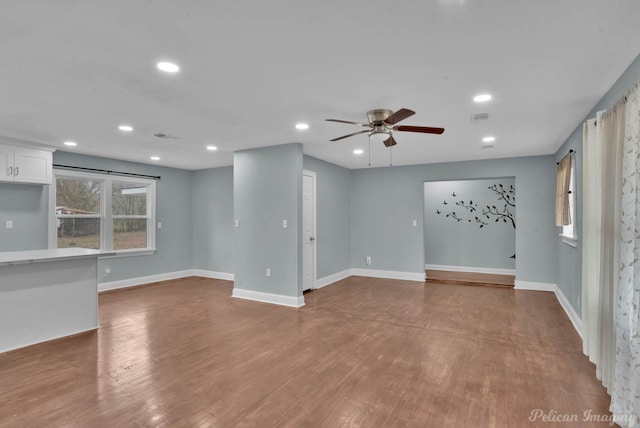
391,156
369,149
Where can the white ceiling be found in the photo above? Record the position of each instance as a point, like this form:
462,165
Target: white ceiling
76,69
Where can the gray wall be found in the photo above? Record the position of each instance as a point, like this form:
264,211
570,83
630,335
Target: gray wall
461,240
333,214
382,202
173,209
212,226
26,206
569,258
386,200
267,188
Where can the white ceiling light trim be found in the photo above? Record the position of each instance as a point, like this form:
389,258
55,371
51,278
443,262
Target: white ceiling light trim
488,139
302,126
212,148
358,151
168,67
155,158
482,98
70,143
125,128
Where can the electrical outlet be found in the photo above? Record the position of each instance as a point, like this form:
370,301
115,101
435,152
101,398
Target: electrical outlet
8,224
368,260
415,223
107,273
268,271
237,223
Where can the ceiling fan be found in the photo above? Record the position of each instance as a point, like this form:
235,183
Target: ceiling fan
382,121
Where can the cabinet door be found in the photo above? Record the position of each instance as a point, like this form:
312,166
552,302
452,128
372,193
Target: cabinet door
32,166
6,163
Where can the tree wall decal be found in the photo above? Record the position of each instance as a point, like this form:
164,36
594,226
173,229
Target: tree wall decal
490,213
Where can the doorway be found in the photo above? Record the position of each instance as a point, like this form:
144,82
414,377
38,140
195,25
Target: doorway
469,230
309,266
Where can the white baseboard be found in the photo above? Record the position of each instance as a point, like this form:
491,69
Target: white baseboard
276,299
114,285
142,280
330,279
372,273
27,344
573,316
213,274
494,271
389,274
534,286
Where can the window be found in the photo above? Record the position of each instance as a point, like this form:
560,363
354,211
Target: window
129,211
78,212
102,212
569,233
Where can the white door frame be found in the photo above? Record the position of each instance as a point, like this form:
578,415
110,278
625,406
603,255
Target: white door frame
314,245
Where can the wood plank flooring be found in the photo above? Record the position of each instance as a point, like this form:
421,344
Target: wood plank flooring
362,353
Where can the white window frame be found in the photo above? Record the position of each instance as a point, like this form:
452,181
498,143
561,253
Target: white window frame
106,215
569,232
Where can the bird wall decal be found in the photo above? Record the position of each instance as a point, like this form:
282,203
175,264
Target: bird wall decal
506,214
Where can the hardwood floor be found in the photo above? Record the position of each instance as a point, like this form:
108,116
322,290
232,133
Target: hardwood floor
362,353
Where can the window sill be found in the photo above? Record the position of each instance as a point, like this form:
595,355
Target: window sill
569,240
128,253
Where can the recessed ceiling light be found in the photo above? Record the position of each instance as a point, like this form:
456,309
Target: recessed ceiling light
482,98
168,67
155,158
212,148
125,128
302,126
488,139
358,151
70,143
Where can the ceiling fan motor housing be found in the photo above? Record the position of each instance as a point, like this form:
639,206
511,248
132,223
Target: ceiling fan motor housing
378,116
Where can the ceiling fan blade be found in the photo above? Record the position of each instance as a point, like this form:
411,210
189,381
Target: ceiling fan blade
423,129
401,114
351,135
347,121
390,142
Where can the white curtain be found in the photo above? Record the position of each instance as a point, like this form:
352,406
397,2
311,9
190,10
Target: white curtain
625,397
602,148
591,203
611,253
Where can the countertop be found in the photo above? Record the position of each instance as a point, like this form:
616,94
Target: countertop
36,256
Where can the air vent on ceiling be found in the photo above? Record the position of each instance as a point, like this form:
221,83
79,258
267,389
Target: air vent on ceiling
165,136
479,117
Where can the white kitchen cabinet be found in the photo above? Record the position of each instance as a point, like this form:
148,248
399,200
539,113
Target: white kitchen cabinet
25,165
